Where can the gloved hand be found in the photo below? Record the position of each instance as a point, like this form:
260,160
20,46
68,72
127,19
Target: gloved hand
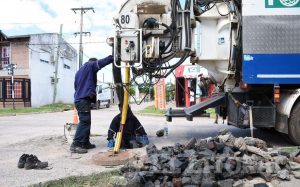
111,143
142,139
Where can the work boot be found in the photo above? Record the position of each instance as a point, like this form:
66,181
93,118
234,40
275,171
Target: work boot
22,160
88,145
77,149
32,162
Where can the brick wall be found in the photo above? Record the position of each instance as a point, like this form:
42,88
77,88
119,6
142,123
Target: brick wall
20,56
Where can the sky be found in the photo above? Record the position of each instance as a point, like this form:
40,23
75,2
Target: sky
22,17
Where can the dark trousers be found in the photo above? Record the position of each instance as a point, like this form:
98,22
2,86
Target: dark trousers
82,135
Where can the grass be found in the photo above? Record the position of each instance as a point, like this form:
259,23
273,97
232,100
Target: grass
212,112
104,179
47,108
152,110
289,149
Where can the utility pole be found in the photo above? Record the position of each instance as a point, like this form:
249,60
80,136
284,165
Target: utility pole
82,11
56,64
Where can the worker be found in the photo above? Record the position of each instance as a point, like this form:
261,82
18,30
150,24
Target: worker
133,134
85,93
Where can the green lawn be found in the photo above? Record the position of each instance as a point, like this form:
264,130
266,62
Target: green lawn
152,110
105,179
47,108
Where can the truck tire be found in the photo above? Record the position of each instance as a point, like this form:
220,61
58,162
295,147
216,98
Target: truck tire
98,105
294,124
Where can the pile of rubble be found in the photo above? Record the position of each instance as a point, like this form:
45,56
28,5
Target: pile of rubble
219,161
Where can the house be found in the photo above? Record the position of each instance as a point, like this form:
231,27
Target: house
34,56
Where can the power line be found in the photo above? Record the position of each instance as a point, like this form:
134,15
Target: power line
82,11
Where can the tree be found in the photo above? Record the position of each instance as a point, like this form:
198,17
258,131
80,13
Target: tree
170,91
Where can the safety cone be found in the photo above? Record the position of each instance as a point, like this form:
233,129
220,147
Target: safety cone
75,117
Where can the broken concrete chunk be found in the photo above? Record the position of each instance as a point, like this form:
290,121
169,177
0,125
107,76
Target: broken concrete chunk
190,144
224,138
151,149
219,146
186,180
296,174
238,183
201,145
149,184
283,174
294,166
225,183
196,179
175,164
177,182
223,132
240,144
211,145
200,163
281,160
208,183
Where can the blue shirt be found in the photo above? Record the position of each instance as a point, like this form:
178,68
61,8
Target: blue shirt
86,78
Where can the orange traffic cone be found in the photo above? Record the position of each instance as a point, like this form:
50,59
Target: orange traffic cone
75,117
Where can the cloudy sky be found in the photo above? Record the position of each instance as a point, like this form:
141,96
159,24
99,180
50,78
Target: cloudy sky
21,17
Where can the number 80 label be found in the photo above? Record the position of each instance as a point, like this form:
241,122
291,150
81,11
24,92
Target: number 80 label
128,20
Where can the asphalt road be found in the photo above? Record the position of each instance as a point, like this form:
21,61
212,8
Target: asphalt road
42,134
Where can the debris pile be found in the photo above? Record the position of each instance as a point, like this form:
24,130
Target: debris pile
219,161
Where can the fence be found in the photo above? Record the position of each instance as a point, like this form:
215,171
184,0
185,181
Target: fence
22,93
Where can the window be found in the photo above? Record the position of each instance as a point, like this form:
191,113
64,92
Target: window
66,66
17,89
8,90
5,55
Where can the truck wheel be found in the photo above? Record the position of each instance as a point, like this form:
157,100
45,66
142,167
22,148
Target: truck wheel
98,104
107,106
294,124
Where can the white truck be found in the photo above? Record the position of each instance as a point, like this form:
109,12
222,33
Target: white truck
249,47
103,95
